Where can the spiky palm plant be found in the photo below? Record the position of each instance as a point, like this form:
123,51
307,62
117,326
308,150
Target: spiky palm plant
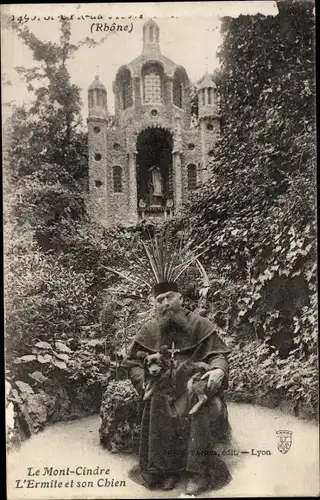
165,260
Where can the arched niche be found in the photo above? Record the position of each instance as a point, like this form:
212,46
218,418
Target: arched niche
124,88
154,166
180,87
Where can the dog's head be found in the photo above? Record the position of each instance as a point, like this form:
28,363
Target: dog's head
154,364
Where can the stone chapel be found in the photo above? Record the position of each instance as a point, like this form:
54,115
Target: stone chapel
145,164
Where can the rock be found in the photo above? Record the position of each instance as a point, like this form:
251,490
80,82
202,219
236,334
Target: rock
271,399
62,408
37,411
241,397
306,411
29,409
10,425
32,415
286,406
87,399
76,400
120,414
24,421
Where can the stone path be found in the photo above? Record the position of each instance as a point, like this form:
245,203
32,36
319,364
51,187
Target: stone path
76,443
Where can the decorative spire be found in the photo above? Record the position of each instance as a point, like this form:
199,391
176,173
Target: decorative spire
96,84
151,38
206,64
207,82
207,91
97,99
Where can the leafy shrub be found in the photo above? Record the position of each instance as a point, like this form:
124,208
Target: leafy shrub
257,372
55,382
89,363
53,362
45,301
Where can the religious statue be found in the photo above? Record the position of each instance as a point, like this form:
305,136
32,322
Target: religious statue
156,181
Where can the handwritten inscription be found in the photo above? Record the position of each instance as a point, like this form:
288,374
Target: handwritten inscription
22,19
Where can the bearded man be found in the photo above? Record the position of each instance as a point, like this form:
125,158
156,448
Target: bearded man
173,442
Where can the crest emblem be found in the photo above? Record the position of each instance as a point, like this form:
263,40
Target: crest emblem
284,441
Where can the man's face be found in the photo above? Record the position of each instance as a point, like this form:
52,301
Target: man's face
167,304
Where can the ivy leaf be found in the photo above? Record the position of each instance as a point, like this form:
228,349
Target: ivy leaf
95,342
46,358
62,356
62,347
27,358
38,376
59,364
24,387
14,396
43,345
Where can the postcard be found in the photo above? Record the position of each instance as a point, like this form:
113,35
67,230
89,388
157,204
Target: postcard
160,248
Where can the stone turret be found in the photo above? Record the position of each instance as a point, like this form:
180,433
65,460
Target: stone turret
151,38
208,102
97,149
209,121
97,99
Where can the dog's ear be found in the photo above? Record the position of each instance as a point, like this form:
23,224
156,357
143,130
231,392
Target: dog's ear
141,354
164,350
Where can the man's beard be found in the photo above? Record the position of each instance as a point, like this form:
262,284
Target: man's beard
173,322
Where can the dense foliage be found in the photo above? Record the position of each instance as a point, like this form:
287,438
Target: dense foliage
258,211
54,282
259,376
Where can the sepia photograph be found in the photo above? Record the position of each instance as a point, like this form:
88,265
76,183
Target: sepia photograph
160,242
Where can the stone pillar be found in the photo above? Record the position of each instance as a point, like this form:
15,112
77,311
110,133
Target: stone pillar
136,91
203,167
177,180
132,180
169,91
177,173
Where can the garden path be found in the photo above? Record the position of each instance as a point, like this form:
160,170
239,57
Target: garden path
70,444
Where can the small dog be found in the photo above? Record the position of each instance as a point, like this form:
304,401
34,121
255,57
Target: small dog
195,385
156,368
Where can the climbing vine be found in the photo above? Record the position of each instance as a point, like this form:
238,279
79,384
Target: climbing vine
258,209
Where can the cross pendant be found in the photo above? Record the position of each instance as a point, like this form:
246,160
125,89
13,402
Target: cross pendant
173,351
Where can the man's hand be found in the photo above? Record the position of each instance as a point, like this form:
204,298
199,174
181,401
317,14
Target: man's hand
215,378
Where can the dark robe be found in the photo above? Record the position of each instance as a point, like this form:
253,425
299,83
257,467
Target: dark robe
171,440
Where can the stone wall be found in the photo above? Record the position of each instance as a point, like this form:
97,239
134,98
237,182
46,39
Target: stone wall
208,140
275,399
191,138
30,412
97,144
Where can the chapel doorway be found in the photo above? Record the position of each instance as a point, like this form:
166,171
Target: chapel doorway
154,169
